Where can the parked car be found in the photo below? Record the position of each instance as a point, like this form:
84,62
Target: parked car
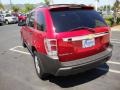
66,39
9,18
21,17
1,19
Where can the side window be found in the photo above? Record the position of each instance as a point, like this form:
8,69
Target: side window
27,20
8,15
31,19
40,21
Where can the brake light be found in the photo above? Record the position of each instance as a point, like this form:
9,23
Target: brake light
51,48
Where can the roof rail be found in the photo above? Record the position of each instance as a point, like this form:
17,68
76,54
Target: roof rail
68,4
42,5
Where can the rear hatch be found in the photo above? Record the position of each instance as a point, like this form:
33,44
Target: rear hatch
80,33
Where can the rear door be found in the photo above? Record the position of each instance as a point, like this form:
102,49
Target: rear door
81,33
31,28
24,30
39,31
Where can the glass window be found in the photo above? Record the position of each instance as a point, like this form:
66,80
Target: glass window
40,21
65,20
31,19
8,15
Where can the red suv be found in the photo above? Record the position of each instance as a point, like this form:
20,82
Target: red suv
66,39
21,17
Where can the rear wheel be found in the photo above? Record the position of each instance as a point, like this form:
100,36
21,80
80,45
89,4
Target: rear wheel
38,67
23,43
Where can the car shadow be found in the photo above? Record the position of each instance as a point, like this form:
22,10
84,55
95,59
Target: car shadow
74,80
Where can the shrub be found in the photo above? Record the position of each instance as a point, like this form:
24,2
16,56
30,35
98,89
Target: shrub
109,20
118,20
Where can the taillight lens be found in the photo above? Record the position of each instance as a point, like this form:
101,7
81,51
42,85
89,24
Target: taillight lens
51,48
110,35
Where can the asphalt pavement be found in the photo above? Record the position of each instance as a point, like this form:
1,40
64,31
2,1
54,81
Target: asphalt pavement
17,70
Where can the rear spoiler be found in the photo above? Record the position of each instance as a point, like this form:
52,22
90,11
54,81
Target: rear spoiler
69,6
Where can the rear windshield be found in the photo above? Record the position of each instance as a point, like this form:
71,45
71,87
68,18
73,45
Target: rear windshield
8,15
66,20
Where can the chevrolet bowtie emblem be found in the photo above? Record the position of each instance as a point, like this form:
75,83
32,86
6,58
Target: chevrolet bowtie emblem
90,36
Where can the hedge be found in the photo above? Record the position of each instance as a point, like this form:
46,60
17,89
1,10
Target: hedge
110,20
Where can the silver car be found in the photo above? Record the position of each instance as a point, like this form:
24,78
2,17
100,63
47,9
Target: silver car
10,19
1,19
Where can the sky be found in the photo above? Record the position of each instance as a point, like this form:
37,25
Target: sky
87,2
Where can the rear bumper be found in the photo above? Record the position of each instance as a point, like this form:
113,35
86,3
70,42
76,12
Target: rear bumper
73,67
1,22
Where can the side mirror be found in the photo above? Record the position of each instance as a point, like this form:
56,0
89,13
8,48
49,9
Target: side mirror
41,27
22,23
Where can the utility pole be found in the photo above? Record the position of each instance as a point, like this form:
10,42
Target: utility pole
107,7
51,1
11,4
96,5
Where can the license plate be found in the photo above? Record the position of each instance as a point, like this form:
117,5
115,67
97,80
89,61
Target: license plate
88,43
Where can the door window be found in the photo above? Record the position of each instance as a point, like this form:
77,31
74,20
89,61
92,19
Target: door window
40,21
30,19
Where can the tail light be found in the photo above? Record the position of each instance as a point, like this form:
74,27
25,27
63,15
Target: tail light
51,48
110,35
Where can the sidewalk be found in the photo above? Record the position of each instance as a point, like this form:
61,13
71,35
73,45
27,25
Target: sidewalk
115,28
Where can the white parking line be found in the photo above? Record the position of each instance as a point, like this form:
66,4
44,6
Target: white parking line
110,70
104,69
21,52
115,30
14,49
115,41
111,62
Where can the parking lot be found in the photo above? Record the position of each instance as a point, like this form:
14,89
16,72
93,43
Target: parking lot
17,70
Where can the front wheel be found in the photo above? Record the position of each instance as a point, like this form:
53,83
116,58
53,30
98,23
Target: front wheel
38,67
6,22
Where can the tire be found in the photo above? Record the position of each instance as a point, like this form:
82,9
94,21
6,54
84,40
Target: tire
1,24
38,68
6,22
23,43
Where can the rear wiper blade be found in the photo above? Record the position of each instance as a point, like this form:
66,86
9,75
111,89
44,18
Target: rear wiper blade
90,29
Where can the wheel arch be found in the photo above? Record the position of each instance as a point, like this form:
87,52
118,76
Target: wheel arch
33,49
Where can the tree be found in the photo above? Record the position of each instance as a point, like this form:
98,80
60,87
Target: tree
115,9
29,7
1,6
15,8
47,2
